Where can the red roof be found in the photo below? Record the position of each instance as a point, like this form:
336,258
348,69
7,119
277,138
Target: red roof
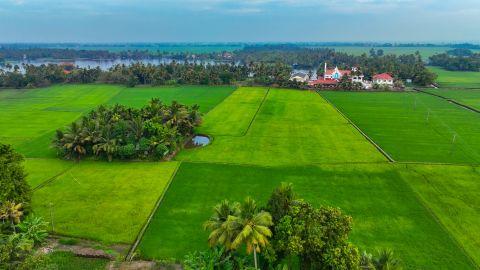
382,76
322,82
342,71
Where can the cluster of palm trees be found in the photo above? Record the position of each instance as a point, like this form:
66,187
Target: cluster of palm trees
154,131
234,224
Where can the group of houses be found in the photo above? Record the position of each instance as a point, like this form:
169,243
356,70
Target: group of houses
332,77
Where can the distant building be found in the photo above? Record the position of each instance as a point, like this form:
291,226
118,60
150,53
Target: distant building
335,74
299,77
323,82
383,79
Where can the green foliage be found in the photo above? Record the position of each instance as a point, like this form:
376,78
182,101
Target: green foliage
34,228
318,236
12,177
17,249
457,60
235,224
153,131
216,258
384,259
280,201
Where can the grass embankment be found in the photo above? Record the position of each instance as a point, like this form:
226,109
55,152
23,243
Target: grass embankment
64,260
414,127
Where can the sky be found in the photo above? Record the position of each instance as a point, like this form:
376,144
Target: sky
105,21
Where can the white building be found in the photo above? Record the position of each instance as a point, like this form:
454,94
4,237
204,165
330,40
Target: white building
299,77
383,79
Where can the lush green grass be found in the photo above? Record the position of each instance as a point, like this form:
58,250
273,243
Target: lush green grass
457,79
103,201
45,169
275,127
451,192
414,126
386,212
205,96
64,260
29,118
469,97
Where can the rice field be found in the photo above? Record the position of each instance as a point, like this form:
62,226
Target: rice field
426,213
414,127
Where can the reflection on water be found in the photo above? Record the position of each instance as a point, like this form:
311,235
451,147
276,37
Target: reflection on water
104,64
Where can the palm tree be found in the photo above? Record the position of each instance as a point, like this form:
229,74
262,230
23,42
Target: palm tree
221,230
12,212
107,143
254,228
72,141
386,260
137,128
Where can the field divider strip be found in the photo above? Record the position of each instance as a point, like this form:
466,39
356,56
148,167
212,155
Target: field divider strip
256,113
449,100
51,179
132,249
436,219
383,152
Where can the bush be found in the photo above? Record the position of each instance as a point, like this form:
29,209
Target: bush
126,151
14,187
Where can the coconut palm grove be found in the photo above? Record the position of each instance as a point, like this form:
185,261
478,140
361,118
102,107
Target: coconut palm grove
228,135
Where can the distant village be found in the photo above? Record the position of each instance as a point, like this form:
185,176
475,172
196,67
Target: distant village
331,78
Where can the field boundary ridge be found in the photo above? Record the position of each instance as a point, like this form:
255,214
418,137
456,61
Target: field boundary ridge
131,251
449,100
256,113
383,152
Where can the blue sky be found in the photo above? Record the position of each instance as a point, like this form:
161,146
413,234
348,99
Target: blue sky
237,21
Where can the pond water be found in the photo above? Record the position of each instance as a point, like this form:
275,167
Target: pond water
200,140
105,64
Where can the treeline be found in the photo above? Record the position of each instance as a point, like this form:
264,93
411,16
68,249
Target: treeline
142,74
402,67
19,54
457,60
152,132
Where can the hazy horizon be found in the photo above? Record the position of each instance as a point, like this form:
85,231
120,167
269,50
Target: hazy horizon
214,21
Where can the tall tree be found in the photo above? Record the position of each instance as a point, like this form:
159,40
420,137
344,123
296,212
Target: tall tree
14,186
253,228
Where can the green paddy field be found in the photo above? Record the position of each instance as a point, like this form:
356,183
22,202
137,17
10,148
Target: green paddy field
424,205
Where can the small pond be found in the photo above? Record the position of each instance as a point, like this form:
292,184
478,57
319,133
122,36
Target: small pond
199,141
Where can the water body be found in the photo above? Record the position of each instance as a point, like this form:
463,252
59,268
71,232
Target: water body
200,140
104,64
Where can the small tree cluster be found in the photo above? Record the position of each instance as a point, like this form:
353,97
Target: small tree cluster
287,230
152,132
18,235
